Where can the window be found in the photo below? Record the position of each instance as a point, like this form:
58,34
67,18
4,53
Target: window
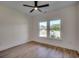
55,29
50,29
43,29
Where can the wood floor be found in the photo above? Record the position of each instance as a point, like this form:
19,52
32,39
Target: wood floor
37,50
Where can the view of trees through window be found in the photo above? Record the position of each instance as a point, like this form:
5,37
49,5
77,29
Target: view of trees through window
43,29
54,29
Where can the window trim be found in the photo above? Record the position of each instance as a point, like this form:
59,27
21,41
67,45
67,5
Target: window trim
60,29
48,29
39,29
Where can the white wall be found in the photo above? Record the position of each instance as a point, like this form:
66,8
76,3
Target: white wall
14,28
78,28
68,17
77,31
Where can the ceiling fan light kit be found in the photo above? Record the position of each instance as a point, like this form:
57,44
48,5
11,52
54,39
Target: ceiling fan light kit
36,8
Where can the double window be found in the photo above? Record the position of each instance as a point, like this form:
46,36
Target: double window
50,29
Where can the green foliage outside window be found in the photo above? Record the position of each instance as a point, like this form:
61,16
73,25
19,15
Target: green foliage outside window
55,27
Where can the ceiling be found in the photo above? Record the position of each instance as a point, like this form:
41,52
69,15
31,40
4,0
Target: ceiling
18,5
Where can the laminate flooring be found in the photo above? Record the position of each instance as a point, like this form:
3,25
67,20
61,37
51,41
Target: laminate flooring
36,50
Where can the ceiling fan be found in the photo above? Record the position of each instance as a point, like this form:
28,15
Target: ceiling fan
36,7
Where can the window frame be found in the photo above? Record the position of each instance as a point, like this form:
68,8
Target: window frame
60,29
48,29
39,29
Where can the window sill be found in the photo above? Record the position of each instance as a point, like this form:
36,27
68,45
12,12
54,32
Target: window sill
49,38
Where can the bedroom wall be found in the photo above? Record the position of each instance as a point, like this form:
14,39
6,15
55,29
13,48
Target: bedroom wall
77,31
14,28
69,35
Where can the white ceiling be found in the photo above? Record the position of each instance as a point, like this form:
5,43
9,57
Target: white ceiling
18,5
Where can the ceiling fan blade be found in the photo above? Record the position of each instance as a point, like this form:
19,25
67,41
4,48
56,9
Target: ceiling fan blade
41,6
36,3
39,10
27,5
31,10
